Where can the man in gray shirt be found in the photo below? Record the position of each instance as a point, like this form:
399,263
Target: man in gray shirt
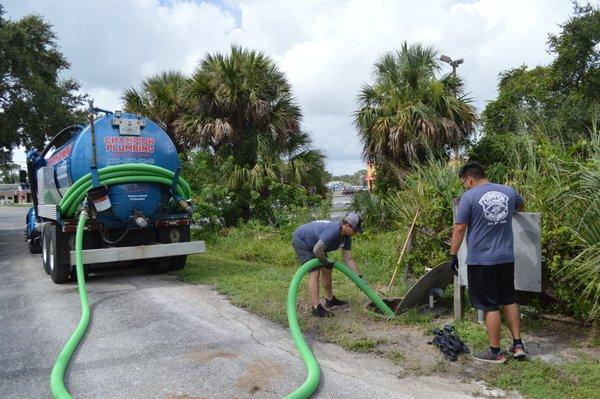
485,213
313,240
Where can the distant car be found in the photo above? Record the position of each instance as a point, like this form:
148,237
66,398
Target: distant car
352,190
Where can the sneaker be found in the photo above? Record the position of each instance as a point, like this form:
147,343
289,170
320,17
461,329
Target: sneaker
488,357
320,311
329,303
517,351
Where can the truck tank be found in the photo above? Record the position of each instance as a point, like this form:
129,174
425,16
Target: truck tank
120,138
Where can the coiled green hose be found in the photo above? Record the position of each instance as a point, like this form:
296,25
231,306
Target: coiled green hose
120,174
312,368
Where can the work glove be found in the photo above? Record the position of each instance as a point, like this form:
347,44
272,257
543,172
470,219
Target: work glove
454,264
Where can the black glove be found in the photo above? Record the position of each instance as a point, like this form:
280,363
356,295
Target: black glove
454,264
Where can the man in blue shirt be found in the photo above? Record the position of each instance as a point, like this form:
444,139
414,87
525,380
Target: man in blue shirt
313,240
485,213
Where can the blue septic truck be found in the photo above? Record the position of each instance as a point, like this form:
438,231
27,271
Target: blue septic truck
123,171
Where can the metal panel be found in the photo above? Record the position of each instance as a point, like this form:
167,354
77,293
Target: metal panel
40,186
47,192
528,252
48,211
129,127
119,254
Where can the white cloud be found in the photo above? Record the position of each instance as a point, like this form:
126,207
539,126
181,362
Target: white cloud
327,48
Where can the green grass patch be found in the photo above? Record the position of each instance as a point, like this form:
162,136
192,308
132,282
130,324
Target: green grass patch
361,344
472,333
396,356
540,380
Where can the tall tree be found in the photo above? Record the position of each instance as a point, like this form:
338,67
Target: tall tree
407,110
238,102
296,163
523,98
562,97
34,102
576,71
160,98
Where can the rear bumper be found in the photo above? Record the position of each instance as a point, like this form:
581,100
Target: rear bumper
120,254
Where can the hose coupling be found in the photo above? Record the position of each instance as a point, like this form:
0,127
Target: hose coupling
183,204
140,221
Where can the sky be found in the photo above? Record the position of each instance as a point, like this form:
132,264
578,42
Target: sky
326,48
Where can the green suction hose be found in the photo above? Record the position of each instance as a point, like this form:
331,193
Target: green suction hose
57,385
312,368
118,174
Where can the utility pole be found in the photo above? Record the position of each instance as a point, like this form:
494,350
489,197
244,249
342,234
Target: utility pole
455,64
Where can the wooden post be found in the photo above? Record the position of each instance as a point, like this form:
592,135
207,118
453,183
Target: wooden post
459,294
412,226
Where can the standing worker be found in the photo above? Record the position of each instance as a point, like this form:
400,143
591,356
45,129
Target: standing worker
313,240
485,212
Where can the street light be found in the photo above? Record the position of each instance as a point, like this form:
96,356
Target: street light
454,63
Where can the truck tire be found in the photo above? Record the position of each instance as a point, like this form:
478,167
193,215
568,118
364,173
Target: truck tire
34,245
57,254
175,234
46,247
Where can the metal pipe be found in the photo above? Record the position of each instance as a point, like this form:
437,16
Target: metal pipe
92,132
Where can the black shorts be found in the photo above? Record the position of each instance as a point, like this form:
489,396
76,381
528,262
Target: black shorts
491,285
304,255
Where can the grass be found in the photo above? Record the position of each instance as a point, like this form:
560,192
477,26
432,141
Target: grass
254,267
539,380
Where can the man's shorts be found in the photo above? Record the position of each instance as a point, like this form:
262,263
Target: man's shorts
491,285
304,255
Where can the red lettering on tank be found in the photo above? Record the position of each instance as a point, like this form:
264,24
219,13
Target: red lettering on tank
60,155
129,144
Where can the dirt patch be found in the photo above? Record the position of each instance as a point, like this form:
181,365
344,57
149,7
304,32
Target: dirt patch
392,303
206,354
184,396
259,375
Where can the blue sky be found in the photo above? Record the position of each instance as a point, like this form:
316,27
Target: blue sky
325,47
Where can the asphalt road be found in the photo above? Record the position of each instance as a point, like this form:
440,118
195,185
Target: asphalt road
152,336
340,205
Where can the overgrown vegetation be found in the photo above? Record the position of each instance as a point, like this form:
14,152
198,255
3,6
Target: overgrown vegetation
541,137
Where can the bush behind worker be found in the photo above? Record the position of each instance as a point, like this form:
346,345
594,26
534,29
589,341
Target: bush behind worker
485,212
313,240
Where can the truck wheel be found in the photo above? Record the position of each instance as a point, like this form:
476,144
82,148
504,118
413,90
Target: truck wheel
35,242
34,246
46,247
171,235
57,260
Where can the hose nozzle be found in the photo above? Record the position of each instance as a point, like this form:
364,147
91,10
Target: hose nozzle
183,204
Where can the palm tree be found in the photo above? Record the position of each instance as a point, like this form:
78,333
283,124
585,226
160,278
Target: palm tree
160,98
295,163
408,111
237,103
304,165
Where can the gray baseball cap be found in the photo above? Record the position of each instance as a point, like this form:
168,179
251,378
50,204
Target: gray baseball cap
355,221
